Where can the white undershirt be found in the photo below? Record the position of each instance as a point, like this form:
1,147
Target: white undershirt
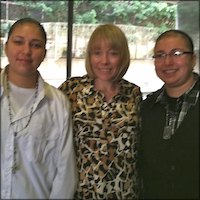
20,96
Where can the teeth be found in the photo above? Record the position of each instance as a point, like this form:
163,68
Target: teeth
105,70
170,71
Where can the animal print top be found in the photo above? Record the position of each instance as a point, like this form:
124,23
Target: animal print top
105,139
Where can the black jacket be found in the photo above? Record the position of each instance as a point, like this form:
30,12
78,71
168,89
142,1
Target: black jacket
170,168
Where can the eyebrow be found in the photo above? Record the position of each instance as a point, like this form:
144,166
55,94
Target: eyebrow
21,37
175,49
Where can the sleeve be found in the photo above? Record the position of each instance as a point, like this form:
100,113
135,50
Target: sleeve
65,181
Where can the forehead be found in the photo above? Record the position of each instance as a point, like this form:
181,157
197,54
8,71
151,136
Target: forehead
171,42
103,43
99,42
27,30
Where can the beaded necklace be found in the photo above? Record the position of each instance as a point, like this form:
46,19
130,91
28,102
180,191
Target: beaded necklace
15,165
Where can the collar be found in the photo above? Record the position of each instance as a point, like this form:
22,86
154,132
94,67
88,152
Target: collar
190,96
42,89
89,88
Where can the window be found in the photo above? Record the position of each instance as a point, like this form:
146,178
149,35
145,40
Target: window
55,23
70,23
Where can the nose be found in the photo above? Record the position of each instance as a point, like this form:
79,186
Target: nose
104,58
168,59
27,49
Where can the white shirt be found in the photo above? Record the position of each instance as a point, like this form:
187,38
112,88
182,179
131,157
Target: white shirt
45,153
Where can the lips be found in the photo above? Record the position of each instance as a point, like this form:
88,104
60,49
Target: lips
105,69
169,71
24,60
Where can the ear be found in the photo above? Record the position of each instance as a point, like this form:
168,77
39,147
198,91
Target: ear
6,48
194,60
45,52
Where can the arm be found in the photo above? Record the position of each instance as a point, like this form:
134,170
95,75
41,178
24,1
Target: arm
64,184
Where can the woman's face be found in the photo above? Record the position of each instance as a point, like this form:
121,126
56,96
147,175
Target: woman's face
25,49
175,71
105,61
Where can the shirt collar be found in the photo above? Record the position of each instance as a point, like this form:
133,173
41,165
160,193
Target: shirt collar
191,96
89,85
42,90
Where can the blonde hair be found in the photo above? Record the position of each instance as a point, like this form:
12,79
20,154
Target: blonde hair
117,39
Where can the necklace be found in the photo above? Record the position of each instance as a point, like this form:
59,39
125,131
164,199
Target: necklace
173,109
15,165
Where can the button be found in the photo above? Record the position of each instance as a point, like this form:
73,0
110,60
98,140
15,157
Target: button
172,167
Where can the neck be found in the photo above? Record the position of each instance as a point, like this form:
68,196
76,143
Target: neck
23,81
109,89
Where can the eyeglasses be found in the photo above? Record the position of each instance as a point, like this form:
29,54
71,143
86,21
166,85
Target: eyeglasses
172,54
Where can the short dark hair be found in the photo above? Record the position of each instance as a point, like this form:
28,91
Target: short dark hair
181,33
28,20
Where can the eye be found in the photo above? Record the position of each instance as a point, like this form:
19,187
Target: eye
177,53
18,42
114,52
96,52
36,45
159,55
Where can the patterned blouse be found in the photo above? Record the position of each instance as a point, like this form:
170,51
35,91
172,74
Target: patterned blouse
106,139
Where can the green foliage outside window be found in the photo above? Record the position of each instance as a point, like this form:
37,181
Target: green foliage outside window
140,13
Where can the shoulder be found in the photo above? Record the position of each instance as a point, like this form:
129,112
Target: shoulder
55,94
73,82
130,88
151,98
129,84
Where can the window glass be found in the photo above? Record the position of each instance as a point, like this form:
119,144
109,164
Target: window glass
53,16
141,21
189,22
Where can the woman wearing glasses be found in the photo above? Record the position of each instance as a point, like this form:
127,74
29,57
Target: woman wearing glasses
170,122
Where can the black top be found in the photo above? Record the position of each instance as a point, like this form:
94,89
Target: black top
169,168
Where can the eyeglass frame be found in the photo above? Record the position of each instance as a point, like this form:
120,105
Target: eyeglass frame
172,54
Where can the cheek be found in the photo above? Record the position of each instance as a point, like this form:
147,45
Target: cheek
94,61
39,56
116,62
158,65
185,65
9,52
11,55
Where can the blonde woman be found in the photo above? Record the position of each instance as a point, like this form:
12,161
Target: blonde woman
105,118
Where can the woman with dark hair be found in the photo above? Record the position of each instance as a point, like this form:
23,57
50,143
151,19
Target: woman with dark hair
37,155
170,122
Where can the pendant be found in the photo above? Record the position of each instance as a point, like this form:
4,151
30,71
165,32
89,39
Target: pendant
14,168
167,132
